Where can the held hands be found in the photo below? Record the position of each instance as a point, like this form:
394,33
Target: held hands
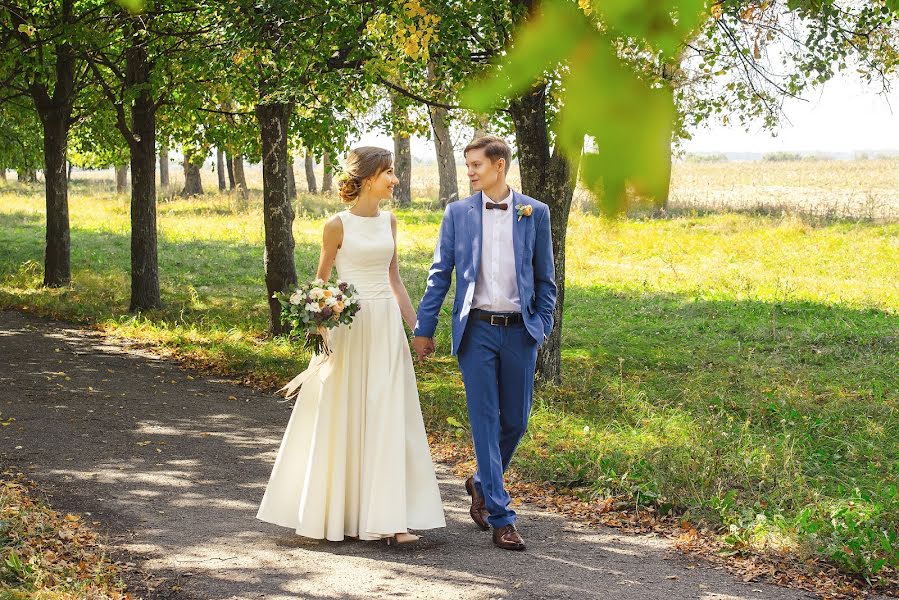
424,346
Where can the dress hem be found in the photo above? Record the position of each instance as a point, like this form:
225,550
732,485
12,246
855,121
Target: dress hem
374,536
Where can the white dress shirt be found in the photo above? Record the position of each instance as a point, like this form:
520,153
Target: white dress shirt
496,288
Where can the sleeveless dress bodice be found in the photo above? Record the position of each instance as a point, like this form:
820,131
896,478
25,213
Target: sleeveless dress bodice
365,254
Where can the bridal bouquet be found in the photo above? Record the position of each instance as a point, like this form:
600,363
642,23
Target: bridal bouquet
315,307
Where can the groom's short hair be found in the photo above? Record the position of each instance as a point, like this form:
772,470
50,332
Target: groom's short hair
494,148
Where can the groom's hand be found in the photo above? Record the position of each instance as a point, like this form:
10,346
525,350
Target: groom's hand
423,346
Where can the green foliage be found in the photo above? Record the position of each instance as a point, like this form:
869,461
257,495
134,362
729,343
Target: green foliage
629,72
305,54
662,25
601,96
453,40
551,38
171,39
857,534
133,6
752,56
15,571
96,143
42,63
21,138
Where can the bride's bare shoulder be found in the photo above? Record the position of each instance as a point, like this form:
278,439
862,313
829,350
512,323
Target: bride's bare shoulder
333,229
334,223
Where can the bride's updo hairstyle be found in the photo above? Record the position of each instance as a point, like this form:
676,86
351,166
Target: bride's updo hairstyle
361,163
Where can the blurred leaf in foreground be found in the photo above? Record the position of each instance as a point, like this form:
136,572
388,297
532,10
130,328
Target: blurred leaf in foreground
602,97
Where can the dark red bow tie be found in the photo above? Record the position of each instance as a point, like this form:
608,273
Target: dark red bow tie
495,205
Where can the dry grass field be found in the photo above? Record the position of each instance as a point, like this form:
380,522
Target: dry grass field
850,189
829,189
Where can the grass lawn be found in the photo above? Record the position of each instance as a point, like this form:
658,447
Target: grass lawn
739,369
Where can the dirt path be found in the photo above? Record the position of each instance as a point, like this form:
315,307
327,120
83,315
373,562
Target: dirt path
172,465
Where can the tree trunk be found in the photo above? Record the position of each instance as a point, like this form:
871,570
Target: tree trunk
291,180
446,161
229,163
164,167
27,175
662,201
193,184
144,260
240,179
327,175
402,166
220,168
68,174
55,112
402,154
673,75
121,179
310,174
547,177
57,267
3,175
277,210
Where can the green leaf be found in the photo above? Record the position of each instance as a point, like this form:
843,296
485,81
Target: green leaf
540,46
662,24
630,122
132,6
600,95
455,422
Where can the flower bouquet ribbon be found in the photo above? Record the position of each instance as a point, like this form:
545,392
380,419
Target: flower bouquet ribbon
310,312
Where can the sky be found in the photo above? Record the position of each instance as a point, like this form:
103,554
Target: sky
844,115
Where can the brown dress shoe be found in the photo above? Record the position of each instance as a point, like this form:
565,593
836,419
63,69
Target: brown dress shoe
508,538
478,510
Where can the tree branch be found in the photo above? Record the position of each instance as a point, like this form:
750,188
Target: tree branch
414,96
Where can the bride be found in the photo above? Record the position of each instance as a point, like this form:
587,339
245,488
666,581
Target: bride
354,460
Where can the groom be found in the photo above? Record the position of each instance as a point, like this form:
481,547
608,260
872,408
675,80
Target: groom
498,240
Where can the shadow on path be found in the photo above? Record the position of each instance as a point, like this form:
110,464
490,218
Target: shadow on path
173,465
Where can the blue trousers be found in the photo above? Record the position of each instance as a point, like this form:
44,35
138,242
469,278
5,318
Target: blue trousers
497,365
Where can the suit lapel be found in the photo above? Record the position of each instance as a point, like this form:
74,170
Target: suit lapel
476,231
519,234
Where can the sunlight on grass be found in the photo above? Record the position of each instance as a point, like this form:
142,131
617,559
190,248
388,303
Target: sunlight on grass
739,369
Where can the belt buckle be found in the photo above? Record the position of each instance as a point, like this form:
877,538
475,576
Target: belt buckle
506,317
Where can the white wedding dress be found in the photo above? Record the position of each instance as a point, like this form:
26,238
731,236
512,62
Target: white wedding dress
354,460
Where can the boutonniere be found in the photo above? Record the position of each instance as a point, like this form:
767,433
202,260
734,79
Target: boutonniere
524,210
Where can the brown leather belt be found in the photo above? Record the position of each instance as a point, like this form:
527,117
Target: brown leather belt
497,319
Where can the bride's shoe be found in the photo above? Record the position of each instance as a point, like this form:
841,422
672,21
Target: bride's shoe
402,538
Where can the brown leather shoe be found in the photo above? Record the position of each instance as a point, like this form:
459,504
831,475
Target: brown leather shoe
478,510
508,538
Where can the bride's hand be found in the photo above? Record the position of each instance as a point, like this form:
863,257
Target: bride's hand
423,346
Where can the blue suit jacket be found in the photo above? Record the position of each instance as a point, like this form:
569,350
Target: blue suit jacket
459,247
